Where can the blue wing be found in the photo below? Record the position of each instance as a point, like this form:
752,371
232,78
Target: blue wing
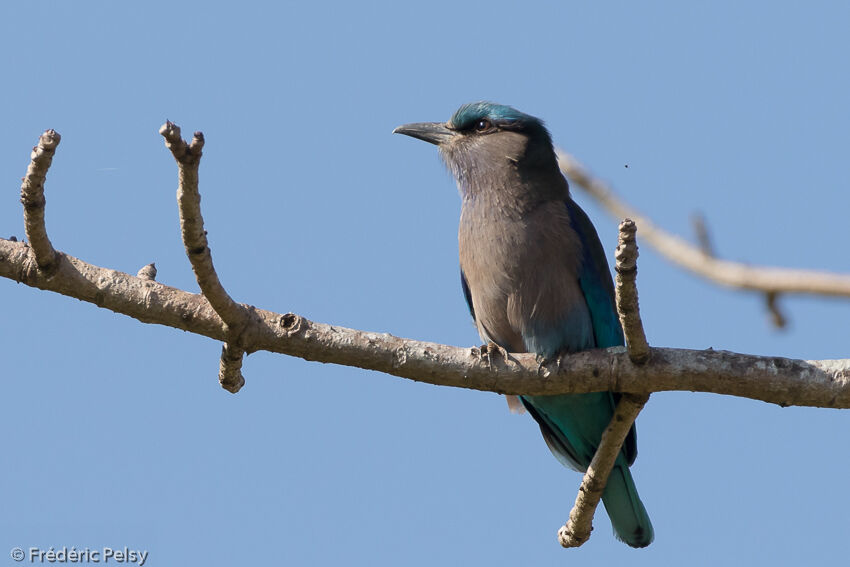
598,289
595,281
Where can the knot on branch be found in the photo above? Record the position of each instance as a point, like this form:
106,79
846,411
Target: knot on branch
400,356
32,201
291,323
147,272
184,153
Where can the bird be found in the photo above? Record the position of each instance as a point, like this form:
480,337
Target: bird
535,278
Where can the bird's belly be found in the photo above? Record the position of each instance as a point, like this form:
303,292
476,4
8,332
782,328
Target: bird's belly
524,288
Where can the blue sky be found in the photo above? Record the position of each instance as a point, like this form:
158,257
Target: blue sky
117,433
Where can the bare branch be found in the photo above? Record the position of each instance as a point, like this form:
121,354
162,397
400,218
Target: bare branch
732,274
818,383
701,232
32,197
188,158
627,294
234,315
776,316
578,527
230,368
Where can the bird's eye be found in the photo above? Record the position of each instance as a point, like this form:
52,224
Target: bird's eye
483,125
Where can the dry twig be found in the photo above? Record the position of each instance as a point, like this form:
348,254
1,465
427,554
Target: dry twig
32,198
627,295
234,315
578,527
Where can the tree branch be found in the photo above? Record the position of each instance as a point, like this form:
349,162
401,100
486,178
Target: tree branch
188,157
578,527
701,232
32,198
818,383
777,318
230,368
234,315
627,295
782,381
698,261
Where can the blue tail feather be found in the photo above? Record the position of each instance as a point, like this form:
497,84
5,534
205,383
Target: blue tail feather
626,511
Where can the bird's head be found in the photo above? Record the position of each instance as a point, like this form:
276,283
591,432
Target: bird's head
482,139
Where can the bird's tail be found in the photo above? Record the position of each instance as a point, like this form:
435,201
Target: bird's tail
628,516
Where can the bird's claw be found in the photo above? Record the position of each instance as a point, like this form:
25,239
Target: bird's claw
544,361
487,351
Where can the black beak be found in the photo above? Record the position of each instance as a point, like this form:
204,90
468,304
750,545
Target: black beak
432,132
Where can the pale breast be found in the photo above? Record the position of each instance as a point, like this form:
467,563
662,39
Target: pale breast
522,273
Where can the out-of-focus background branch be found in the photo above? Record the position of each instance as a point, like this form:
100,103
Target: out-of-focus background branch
700,259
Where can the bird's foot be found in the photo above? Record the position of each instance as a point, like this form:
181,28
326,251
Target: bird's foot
486,352
543,363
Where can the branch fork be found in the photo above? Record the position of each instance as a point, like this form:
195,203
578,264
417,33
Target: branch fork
235,316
